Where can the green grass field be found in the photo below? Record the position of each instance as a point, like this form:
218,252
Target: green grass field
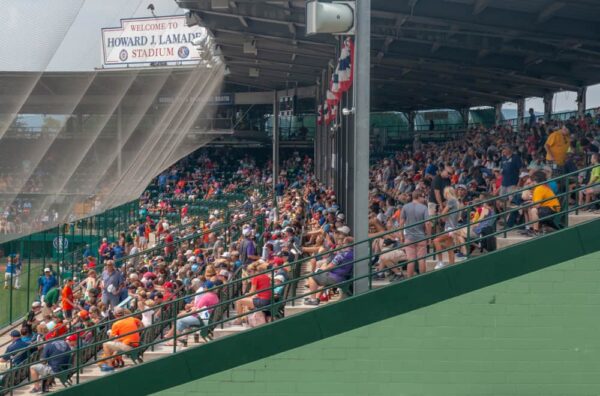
19,298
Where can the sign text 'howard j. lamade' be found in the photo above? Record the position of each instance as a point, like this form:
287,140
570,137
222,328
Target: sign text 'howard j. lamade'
148,40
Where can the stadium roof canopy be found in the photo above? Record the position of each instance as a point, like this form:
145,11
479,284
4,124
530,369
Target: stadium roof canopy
88,92
425,53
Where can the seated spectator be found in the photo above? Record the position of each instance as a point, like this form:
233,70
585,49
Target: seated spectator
545,203
55,357
128,328
333,272
593,185
14,355
259,294
194,315
391,255
481,218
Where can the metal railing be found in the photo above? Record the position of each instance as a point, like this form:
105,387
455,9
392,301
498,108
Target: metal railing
230,292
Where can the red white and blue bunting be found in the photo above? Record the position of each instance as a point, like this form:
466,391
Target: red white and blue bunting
341,82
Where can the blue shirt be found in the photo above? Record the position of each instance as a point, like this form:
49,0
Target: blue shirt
510,170
431,170
10,268
19,357
118,252
56,348
47,283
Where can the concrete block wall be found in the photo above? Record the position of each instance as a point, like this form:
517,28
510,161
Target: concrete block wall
538,334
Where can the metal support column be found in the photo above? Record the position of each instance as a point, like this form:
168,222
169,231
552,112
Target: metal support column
464,113
323,129
275,125
520,114
498,117
548,99
411,115
360,179
316,145
581,101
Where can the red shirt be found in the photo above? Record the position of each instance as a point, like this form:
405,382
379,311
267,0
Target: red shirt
262,282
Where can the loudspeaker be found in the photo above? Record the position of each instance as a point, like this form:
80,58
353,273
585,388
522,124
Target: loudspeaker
335,18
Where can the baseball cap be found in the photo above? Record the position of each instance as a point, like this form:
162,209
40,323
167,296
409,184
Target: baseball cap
15,333
208,285
169,285
83,314
47,269
72,337
344,230
36,304
280,278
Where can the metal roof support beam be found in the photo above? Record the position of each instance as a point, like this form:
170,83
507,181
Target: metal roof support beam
581,101
549,11
480,6
520,113
548,101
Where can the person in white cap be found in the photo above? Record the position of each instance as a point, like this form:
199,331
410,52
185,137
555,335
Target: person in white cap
45,283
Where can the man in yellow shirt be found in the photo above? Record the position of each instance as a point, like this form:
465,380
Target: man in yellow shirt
557,145
545,202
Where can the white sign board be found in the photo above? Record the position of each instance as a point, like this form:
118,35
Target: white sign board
150,40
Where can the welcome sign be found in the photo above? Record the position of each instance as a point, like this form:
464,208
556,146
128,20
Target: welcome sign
150,40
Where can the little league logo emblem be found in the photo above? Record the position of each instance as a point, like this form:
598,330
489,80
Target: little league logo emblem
123,55
183,52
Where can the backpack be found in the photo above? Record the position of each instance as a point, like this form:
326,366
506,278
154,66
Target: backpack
488,243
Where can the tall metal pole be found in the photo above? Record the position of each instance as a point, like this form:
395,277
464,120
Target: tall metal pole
362,96
275,125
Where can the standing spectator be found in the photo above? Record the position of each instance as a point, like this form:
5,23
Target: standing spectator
532,118
556,146
104,250
436,194
247,248
112,284
415,237
45,283
67,299
511,167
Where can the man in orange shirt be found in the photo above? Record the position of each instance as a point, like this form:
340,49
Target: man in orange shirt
557,145
67,299
129,328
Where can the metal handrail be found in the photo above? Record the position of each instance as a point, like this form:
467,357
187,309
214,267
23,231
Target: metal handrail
172,305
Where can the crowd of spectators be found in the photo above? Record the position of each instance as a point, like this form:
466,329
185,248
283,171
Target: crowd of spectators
256,242
438,179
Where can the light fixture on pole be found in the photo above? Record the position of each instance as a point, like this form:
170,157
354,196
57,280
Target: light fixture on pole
337,17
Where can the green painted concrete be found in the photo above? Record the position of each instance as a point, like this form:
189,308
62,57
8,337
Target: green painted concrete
538,334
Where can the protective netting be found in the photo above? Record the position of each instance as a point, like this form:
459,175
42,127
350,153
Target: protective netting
98,137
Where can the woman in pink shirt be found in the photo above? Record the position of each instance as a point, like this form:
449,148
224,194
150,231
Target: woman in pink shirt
195,314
